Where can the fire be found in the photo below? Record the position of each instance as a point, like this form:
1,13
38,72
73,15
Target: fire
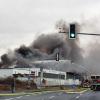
45,50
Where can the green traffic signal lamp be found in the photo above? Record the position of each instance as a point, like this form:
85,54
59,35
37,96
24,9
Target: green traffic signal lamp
72,31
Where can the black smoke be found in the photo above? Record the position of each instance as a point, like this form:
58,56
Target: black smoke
68,49
45,47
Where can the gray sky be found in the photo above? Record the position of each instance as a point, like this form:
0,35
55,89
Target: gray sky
22,20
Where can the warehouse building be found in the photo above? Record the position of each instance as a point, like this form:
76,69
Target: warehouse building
52,77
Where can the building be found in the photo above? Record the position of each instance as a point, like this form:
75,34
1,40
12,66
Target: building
52,77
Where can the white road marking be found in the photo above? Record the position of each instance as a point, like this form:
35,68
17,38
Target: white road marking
27,95
84,91
9,99
60,93
81,94
19,97
77,97
51,97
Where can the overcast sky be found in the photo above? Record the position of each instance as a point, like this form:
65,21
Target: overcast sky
21,20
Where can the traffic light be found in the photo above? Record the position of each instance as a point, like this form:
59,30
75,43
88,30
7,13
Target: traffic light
57,57
72,31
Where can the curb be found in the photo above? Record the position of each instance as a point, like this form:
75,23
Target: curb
15,94
33,93
12,94
78,92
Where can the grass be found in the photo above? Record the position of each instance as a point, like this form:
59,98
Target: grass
47,89
77,89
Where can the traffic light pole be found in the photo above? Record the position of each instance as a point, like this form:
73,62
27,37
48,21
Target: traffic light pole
41,76
88,34
29,76
59,74
13,84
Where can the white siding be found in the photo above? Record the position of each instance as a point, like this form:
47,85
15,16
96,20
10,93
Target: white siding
5,73
9,72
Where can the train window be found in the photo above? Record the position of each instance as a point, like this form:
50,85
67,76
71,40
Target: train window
97,77
73,76
51,75
62,77
70,76
77,77
92,77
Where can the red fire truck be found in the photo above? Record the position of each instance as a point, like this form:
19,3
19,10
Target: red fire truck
95,82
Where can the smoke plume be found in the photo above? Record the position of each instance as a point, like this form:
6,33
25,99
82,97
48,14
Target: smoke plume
91,59
45,47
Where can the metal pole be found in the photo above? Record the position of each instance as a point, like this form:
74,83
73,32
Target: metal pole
59,76
29,78
41,76
57,59
60,79
13,84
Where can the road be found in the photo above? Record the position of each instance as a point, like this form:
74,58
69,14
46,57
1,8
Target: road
90,95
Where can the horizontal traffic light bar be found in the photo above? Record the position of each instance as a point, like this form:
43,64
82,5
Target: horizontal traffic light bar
88,34
84,33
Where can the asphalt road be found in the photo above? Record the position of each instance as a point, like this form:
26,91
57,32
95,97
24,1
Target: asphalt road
90,95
